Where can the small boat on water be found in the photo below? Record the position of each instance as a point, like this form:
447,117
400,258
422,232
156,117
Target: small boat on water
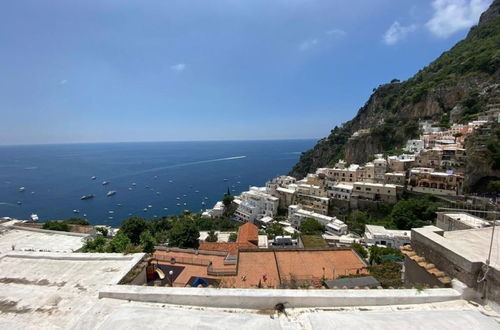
76,211
165,208
19,202
134,184
111,193
21,189
145,209
150,206
225,180
105,183
93,177
170,181
178,204
111,212
34,217
177,198
85,197
196,191
129,188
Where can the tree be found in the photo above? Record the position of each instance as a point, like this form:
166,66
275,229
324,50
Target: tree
274,229
212,237
233,237
311,227
357,220
56,225
380,255
77,221
147,242
103,231
119,243
184,234
414,213
228,199
97,244
360,249
133,228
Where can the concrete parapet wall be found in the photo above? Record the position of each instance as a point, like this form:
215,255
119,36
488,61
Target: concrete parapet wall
267,299
45,231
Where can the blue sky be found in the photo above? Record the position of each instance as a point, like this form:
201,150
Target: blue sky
159,70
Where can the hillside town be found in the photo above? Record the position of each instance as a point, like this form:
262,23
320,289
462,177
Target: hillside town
434,164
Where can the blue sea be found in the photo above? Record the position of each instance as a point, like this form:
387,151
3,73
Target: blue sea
192,174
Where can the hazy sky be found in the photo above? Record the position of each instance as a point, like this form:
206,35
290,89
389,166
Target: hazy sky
153,70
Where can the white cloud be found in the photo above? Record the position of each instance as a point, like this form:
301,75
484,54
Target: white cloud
308,44
179,67
336,33
397,32
63,82
451,16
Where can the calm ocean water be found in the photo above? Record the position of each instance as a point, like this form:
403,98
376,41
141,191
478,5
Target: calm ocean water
165,174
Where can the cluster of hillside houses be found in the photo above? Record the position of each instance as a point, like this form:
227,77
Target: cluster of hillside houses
432,164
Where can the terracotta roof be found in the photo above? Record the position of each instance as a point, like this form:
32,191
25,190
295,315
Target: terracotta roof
229,247
248,233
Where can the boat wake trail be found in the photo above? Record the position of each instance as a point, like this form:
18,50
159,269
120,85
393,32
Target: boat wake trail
155,169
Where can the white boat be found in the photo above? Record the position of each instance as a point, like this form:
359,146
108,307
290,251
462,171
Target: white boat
178,204
34,217
111,212
145,209
105,183
130,188
150,206
21,189
93,177
76,211
111,193
134,184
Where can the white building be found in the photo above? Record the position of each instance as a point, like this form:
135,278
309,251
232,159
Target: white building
340,191
459,221
414,146
216,211
256,204
281,181
297,215
378,235
375,191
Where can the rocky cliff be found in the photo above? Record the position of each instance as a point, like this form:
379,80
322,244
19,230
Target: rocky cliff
456,87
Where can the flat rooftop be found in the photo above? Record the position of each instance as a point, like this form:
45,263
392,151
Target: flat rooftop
26,240
474,244
61,291
52,290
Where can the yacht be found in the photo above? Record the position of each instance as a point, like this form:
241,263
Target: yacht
111,193
89,196
22,189
111,212
34,217
150,206
105,183
93,177
19,202
76,211
134,184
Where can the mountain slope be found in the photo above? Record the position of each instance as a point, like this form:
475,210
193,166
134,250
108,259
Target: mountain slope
454,88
